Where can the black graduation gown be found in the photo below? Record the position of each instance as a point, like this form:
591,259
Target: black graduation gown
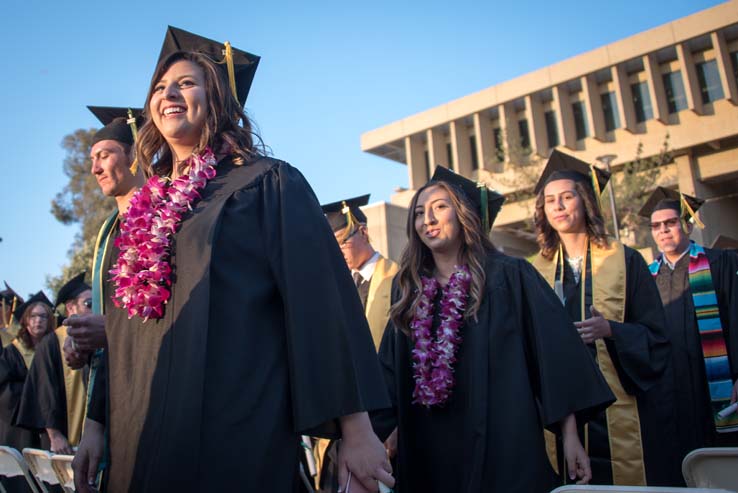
521,367
44,400
695,425
640,352
216,394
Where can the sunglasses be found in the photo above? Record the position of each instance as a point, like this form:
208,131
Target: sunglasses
669,223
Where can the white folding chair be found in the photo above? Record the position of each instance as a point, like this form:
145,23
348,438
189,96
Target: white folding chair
712,468
632,489
39,462
62,465
12,464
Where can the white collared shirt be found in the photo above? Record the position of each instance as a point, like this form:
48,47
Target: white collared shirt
367,270
672,266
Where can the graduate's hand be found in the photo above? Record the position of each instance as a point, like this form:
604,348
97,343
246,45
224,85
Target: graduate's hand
88,457
362,456
59,443
391,444
577,461
88,331
597,327
75,359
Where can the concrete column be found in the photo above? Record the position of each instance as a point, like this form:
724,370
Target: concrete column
564,117
656,88
460,148
624,97
510,134
436,149
722,57
485,142
415,157
595,115
689,184
689,77
536,124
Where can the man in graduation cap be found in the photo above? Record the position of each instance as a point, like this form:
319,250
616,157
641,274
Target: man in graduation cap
699,289
54,395
9,300
606,288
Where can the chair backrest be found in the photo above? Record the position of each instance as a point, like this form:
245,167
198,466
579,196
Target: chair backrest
632,489
712,468
62,465
39,461
12,464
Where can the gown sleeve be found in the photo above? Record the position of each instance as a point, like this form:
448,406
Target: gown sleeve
333,367
564,376
385,420
12,375
97,400
726,284
639,347
43,402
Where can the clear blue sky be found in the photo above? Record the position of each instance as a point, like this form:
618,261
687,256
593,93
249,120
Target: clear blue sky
329,71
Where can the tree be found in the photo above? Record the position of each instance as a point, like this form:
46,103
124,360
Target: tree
79,202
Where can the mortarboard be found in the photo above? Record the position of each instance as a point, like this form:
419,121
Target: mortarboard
238,66
72,289
11,299
665,198
120,124
562,166
345,213
38,297
487,202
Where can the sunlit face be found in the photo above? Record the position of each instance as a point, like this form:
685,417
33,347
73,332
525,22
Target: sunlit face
356,248
38,322
436,221
667,231
111,168
81,305
564,207
179,104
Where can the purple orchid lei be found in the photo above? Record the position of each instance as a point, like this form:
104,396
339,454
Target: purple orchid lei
142,274
433,359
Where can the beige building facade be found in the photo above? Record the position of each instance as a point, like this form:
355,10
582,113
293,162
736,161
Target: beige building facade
676,82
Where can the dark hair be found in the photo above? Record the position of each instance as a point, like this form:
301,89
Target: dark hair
221,128
417,258
23,334
548,238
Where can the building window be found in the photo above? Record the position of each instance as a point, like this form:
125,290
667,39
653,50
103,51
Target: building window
450,157
580,120
428,164
610,111
675,96
709,79
734,60
524,134
552,130
474,157
499,146
641,101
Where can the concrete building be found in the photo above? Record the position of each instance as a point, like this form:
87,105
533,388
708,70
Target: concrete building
679,79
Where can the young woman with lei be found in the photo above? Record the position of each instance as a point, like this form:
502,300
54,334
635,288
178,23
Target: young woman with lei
479,356
231,318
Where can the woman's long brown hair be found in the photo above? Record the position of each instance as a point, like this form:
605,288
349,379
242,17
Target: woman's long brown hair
221,130
23,333
548,238
417,259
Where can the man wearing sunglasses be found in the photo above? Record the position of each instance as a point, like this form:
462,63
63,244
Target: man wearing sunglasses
53,398
699,288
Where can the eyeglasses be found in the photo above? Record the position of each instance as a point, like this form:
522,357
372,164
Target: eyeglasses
353,233
41,316
669,223
87,303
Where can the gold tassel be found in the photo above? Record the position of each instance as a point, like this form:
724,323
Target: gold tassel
231,69
351,222
690,212
596,185
131,121
134,167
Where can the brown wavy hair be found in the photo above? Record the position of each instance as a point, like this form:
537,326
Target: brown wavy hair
417,259
221,130
23,334
548,238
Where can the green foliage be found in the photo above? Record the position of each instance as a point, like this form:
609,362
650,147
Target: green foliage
79,202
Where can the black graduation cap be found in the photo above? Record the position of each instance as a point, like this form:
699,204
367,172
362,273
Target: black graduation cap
345,212
665,198
9,296
244,64
120,124
40,296
562,166
477,193
72,289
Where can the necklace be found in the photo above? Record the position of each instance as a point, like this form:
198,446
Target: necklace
433,359
142,273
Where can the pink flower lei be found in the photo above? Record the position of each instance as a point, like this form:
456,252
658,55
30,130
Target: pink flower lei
142,274
433,359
